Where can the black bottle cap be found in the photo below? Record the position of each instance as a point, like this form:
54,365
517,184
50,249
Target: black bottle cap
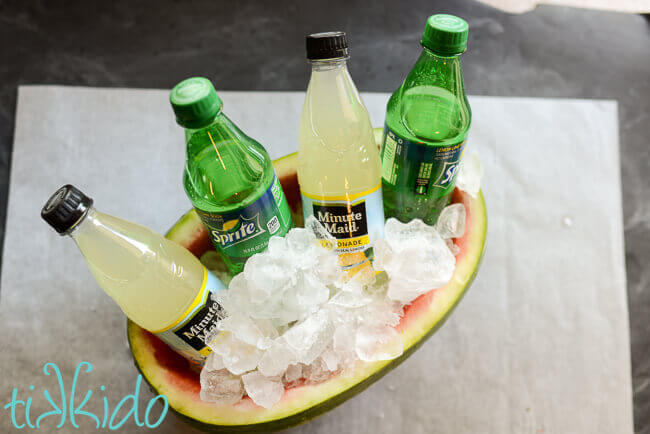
67,206
327,45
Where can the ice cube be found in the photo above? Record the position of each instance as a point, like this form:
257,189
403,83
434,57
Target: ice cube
379,287
451,222
381,312
309,337
325,238
266,276
453,248
258,333
351,295
383,254
327,267
277,246
305,296
331,359
316,372
264,391
293,373
236,298
418,260
220,386
378,343
238,357
364,274
470,173
343,339
300,240
214,362
276,359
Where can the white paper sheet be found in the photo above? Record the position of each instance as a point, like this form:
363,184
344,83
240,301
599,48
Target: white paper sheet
539,344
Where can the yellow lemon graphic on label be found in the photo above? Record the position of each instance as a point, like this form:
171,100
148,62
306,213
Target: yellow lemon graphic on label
229,224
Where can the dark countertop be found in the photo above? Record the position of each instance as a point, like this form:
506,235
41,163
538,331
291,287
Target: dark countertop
550,52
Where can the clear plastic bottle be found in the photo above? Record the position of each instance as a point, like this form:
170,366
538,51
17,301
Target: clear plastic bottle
156,282
338,161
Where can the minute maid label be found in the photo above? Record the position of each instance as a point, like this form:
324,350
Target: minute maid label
187,334
419,168
354,220
241,233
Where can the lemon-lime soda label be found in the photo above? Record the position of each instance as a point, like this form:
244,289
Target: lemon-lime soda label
241,233
355,220
419,168
187,334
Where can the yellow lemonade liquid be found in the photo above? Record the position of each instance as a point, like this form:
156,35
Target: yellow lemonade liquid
153,280
338,163
158,284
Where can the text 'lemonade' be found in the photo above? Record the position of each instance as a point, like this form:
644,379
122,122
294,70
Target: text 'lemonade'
229,177
427,122
338,160
158,284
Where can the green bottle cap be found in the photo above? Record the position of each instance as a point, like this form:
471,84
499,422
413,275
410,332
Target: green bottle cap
195,102
445,34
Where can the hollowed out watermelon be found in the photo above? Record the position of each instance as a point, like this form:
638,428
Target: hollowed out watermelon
171,375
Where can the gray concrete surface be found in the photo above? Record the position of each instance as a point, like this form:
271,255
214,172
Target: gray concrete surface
550,52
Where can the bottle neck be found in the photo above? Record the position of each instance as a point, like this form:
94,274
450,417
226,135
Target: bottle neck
82,225
329,65
440,71
445,60
330,78
219,121
221,129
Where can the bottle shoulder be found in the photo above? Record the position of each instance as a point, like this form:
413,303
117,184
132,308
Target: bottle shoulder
428,113
225,169
337,153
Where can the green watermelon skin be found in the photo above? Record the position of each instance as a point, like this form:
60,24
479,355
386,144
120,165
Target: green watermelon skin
170,374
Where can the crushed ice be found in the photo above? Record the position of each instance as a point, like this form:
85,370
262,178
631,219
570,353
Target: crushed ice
470,173
294,317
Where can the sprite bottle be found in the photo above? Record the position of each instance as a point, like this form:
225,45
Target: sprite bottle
427,122
229,177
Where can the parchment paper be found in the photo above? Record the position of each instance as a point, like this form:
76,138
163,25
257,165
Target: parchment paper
539,344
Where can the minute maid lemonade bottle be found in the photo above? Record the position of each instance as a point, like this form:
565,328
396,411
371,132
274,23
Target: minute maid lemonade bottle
338,160
158,284
228,176
427,122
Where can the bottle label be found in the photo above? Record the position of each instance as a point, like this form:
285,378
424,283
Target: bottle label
241,233
419,168
354,220
187,334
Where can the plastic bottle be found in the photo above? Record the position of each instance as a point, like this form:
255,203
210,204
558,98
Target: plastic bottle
229,177
427,122
156,282
338,160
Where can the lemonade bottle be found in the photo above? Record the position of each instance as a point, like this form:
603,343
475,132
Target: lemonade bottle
427,121
158,284
338,160
228,177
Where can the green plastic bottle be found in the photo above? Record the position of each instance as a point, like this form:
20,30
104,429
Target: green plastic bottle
229,177
427,122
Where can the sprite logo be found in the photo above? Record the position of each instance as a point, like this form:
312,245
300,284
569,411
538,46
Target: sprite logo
447,175
235,231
